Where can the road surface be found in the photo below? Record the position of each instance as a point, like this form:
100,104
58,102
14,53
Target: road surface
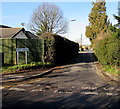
76,85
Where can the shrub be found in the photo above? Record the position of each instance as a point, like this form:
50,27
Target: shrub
107,49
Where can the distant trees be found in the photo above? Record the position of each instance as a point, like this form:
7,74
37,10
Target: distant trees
97,20
48,18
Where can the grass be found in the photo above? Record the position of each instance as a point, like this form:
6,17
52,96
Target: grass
15,68
112,70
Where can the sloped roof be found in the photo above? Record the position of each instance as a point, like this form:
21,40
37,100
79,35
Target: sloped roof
12,32
31,35
9,32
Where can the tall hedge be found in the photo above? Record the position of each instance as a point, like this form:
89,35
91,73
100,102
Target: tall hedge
107,50
59,50
36,49
8,50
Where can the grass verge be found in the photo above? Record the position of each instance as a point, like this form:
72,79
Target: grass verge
115,71
23,67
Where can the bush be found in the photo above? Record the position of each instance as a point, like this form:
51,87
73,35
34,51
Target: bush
107,50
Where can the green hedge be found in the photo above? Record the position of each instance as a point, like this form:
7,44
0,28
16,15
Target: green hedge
36,49
59,50
107,50
8,49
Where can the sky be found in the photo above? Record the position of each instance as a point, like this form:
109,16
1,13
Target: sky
14,13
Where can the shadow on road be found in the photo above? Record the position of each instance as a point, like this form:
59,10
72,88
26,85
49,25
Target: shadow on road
75,100
84,58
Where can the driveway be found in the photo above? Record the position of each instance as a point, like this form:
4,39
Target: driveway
76,85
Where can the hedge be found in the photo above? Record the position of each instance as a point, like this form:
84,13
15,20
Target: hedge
59,50
8,50
107,51
54,49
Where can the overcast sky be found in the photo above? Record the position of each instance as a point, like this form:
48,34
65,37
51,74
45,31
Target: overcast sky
14,13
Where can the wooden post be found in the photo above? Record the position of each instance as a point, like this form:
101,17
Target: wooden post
26,57
17,57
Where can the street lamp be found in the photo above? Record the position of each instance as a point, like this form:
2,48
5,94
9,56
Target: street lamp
73,20
23,24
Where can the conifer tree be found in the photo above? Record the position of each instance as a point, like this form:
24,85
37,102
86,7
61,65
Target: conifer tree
97,20
118,19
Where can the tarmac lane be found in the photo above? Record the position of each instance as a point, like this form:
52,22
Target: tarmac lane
76,85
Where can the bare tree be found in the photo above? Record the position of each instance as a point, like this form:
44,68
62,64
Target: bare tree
48,18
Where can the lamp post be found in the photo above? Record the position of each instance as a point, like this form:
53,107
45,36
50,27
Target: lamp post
81,43
23,24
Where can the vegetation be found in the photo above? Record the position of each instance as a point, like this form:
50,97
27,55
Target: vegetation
118,19
17,68
107,49
97,20
112,70
8,50
48,18
105,38
59,50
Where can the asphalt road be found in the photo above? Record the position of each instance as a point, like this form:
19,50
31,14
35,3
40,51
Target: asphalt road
76,85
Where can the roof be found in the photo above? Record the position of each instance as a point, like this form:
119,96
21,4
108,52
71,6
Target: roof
12,32
31,35
3,26
9,32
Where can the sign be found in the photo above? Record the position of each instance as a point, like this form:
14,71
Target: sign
22,49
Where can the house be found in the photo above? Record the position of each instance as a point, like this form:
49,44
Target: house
18,48
18,33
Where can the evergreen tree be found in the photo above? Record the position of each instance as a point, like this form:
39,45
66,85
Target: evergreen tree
117,18
97,20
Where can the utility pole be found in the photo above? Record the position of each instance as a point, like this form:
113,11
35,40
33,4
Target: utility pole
81,40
